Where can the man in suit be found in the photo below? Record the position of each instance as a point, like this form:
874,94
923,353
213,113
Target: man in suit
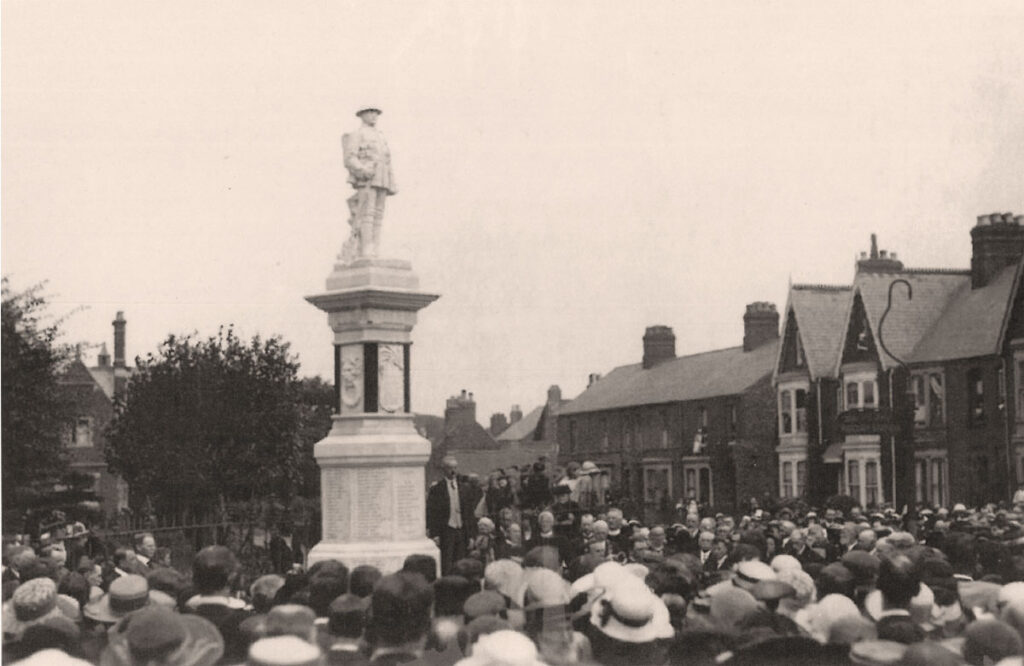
798,548
450,518
899,582
145,549
704,543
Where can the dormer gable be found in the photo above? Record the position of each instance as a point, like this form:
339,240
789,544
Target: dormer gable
859,342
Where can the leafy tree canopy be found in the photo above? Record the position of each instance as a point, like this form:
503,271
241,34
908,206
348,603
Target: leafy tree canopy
204,421
35,411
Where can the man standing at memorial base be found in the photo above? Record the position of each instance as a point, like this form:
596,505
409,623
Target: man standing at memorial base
450,516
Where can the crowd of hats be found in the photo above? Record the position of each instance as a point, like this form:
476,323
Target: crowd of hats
769,586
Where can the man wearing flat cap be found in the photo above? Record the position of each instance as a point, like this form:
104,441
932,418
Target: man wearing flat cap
368,160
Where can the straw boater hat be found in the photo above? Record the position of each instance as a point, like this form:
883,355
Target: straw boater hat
589,468
126,594
631,613
367,109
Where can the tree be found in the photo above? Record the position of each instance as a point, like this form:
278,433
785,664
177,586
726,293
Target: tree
317,403
207,421
35,411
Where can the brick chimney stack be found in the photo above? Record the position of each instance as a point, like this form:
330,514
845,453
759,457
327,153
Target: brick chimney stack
760,325
515,415
119,324
998,242
659,345
499,423
554,394
878,261
460,410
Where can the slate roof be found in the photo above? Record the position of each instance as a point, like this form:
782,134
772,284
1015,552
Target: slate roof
429,426
715,373
522,428
820,311
909,320
104,376
467,436
971,323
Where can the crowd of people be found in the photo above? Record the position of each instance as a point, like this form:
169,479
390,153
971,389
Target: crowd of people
544,571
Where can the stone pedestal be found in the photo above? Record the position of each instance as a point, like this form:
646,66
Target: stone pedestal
372,463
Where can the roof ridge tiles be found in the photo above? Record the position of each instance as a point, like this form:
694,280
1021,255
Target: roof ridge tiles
821,287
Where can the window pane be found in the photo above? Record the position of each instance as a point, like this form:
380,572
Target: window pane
920,400
801,410
801,477
787,479
976,396
871,482
852,401
936,399
936,481
853,479
869,394
920,480
705,485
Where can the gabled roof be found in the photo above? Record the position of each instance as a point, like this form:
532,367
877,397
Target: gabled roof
971,323
104,376
429,426
467,436
698,376
820,311
909,320
522,428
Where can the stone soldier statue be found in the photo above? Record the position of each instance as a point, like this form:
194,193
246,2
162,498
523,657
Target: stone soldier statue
368,161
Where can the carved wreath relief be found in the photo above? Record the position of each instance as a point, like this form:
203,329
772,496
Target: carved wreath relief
391,370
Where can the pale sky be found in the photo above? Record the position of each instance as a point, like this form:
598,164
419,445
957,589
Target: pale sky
569,172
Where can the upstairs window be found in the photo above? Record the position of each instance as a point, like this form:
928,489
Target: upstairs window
929,399
861,393
792,411
975,397
81,433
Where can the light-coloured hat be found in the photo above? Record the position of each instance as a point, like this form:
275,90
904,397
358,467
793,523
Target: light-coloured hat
751,572
589,467
34,602
877,652
283,651
366,109
126,594
631,613
503,647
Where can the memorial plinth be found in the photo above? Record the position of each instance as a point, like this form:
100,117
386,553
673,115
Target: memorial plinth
372,463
